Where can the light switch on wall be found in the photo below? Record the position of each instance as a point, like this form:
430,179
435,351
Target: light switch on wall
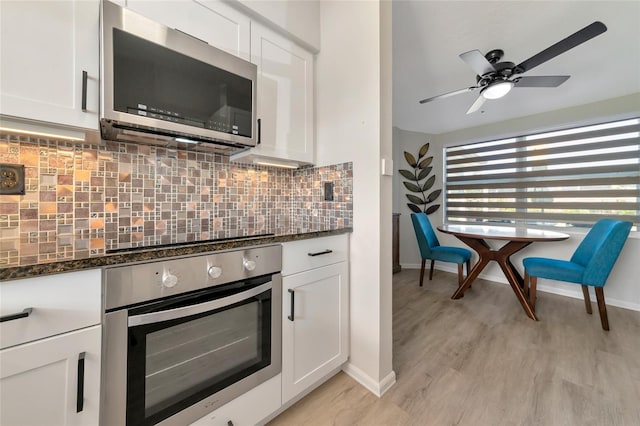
328,191
387,167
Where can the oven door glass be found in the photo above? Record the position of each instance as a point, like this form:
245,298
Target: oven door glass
182,351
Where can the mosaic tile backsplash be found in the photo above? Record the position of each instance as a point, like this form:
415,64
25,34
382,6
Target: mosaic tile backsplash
82,200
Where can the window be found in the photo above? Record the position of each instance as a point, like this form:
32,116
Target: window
563,178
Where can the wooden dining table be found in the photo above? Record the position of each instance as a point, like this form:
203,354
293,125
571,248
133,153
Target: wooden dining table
517,238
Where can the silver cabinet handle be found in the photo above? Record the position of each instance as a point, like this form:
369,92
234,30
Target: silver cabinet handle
25,313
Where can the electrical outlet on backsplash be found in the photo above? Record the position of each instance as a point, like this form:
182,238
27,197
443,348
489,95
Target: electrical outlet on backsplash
81,200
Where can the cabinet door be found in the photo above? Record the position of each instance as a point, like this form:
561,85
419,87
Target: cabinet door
285,96
40,382
211,21
315,326
45,46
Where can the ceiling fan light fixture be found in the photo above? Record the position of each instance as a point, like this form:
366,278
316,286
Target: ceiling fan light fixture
497,89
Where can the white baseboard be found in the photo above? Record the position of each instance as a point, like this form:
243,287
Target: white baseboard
375,387
387,383
545,288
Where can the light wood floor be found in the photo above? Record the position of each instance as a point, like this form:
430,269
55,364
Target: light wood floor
481,361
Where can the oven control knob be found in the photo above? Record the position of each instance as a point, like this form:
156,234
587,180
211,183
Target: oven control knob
215,272
249,265
169,280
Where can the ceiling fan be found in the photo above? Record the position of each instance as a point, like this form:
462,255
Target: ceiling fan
495,79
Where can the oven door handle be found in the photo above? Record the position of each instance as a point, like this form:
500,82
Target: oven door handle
187,311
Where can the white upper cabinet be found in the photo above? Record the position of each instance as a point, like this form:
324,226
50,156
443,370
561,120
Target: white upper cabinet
211,21
299,19
285,99
48,52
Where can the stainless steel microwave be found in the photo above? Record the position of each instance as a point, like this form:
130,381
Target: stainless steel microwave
162,86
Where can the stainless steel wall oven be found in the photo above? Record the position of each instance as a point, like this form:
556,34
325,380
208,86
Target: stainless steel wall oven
186,335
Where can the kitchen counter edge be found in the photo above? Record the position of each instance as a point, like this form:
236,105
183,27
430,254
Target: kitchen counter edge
28,271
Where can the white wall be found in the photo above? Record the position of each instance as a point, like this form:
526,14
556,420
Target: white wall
354,124
622,286
386,194
405,140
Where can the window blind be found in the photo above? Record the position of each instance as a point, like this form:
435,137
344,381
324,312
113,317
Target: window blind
569,177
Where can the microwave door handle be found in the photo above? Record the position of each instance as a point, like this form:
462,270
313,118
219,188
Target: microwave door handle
186,311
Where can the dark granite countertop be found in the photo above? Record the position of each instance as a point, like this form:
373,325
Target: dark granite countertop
27,271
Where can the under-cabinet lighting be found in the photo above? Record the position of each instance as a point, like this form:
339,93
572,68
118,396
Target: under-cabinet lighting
35,130
185,140
273,163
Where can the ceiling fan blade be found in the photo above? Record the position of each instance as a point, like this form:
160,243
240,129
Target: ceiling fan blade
477,62
446,95
575,39
476,105
542,81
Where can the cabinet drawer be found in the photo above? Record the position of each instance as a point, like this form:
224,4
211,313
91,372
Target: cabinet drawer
58,303
298,256
248,409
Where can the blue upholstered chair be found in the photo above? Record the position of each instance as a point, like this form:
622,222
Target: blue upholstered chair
430,248
590,265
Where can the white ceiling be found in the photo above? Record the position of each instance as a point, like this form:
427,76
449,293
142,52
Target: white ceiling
428,36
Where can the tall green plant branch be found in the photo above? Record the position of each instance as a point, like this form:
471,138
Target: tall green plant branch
421,170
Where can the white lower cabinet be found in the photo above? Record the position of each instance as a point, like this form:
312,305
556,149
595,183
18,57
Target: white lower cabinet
315,335
52,381
50,350
248,409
